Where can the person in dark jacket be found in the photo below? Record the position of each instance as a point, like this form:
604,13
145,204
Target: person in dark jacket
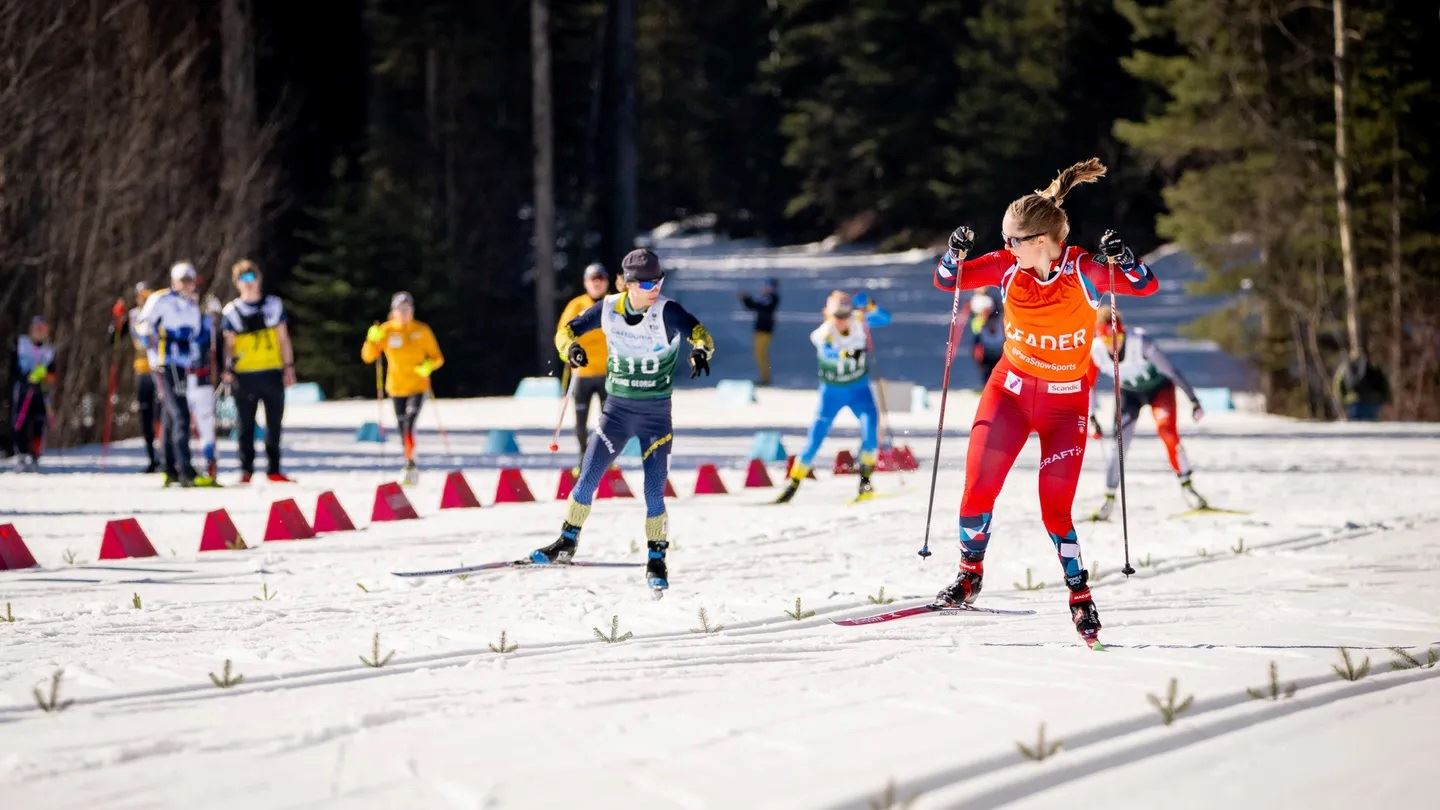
985,333
32,377
764,306
1362,389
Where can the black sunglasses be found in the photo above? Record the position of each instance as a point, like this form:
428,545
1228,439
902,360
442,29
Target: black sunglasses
1017,241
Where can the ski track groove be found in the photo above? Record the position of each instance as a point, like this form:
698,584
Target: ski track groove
1184,733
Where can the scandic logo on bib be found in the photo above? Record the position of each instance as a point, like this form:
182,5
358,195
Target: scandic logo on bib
1064,342
1072,387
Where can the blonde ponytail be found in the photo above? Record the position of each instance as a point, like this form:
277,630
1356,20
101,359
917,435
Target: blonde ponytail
1086,171
1041,212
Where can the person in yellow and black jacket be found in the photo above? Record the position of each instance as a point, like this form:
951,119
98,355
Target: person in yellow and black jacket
589,380
411,356
260,365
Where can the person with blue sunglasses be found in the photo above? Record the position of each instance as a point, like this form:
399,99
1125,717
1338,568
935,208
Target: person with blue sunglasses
643,331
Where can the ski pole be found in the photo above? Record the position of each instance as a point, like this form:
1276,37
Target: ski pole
435,405
117,313
944,395
1119,437
564,406
24,407
380,403
883,420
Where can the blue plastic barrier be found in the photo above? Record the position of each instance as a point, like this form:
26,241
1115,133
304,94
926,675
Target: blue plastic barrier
767,446
736,392
306,393
539,388
369,432
501,441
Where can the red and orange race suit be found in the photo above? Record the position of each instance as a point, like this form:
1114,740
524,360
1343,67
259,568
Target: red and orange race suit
1040,386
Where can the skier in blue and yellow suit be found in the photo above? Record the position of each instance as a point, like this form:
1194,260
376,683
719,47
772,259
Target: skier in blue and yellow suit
643,330
841,343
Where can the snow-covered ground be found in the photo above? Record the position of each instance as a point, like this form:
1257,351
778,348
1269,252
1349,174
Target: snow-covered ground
770,711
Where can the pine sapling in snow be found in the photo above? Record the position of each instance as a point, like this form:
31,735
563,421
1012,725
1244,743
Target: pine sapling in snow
1403,659
53,703
9,617
1172,707
1203,552
503,647
1043,749
1148,561
135,601
1030,583
799,612
615,637
70,558
1351,672
1239,548
705,625
1273,692
889,800
226,678
265,593
375,660
362,587
880,598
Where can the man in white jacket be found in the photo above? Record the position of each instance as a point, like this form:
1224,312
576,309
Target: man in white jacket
171,325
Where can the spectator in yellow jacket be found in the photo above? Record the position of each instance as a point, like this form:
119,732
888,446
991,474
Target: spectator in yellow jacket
589,380
411,356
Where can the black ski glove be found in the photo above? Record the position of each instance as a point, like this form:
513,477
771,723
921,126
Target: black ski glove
962,241
1116,251
577,356
699,363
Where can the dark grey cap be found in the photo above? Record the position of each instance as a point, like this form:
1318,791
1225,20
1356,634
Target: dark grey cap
641,265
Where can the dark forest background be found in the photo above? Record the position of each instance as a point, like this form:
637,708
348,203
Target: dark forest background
356,147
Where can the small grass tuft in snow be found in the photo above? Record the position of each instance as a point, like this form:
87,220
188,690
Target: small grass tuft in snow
705,625
1403,659
1239,548
1350,671
1203,552
1043,750
1172,707
880,598
135,601
9,617
1274,691
888,800
1030,583
615,637
634,547
226,678
362,587
265,593
375,660
503,647
70,558
52,703
799,612
1148,561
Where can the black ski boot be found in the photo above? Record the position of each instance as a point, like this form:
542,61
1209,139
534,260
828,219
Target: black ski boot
1084,613
966,586
560,551
657,576
1193,498
866,490
791,487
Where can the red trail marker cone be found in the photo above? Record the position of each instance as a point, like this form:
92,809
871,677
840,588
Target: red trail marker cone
613,485
567,483
511,488
757,476
844,463
287,523
391,504
458,494
670,489
124,538
13,553
220,533
790,465
330,516
708,482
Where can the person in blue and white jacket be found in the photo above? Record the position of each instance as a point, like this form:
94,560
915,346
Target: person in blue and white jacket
841,344
172,327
